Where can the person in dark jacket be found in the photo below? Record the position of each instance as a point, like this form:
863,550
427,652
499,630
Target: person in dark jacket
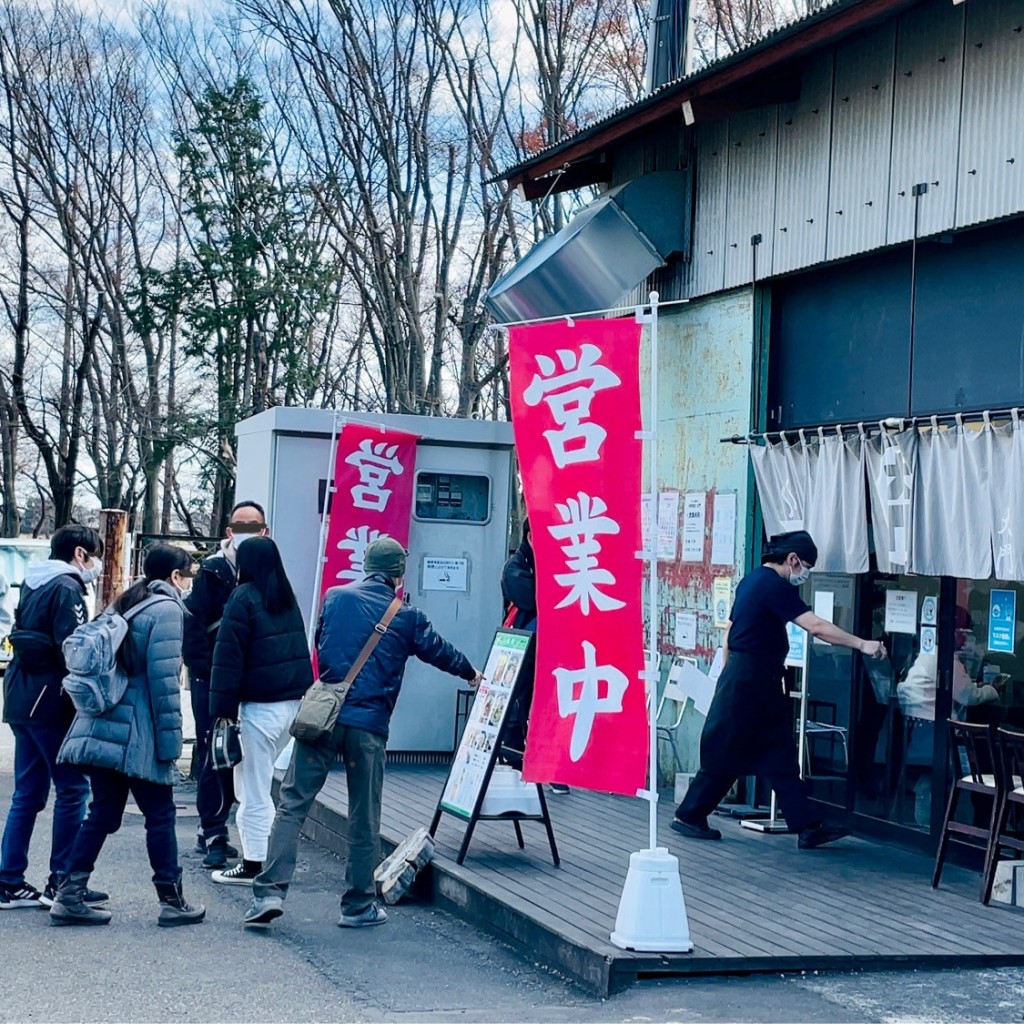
134,747
214,585
519,588
261,669
349,616
51,607
749,728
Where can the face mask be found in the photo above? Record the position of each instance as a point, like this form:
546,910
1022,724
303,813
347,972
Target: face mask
183,591
238,539
800,576
93,572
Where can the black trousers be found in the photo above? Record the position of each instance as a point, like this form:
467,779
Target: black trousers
110,792
707,791
215,791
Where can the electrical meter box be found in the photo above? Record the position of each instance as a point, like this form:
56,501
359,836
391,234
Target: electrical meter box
458,536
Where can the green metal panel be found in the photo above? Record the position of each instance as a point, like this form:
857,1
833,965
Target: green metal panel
706,376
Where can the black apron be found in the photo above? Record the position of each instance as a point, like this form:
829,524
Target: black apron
749,728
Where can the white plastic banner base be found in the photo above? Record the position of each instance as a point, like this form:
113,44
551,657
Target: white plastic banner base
652,911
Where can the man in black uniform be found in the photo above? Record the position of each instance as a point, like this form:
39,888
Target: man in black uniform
215,583
749,729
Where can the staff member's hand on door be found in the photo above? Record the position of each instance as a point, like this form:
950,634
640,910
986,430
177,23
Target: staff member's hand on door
873,649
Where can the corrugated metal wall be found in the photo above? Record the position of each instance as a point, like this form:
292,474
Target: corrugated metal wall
992,123
934,97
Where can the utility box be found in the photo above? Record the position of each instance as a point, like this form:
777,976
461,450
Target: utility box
458,535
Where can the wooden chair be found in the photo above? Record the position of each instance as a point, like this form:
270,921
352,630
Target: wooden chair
1010,782
972,752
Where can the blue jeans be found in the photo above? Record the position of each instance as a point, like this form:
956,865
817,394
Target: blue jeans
35,766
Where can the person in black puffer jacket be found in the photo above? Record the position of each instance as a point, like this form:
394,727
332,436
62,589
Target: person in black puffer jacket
261,669
217,579
348,619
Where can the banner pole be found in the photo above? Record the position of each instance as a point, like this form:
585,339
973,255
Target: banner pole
652,643
318,579
652,908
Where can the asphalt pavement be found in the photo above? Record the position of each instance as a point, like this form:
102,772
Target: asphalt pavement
423,965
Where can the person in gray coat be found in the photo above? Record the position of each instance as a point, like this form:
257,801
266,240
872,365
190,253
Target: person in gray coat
133,748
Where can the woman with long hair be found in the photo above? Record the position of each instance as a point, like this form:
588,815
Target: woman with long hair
134,747
261,669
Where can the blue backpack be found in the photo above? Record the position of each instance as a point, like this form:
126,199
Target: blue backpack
95,682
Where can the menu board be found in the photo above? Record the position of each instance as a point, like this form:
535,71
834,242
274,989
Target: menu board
479,745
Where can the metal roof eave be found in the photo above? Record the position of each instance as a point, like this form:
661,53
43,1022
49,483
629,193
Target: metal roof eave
790,42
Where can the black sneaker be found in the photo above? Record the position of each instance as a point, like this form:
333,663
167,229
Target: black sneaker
200,846
819,835
21,897
218,850
242,873
559,789
92,897
692,831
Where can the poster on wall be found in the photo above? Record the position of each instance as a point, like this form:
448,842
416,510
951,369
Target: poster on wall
479,744
723,530
901,611
668,525
721,597
694,511
1002,621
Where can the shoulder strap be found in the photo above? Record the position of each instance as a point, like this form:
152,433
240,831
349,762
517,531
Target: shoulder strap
378,631
151,600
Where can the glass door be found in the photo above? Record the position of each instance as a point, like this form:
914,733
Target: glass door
898,753
830,675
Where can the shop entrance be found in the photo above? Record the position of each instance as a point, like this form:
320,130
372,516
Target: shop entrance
876,748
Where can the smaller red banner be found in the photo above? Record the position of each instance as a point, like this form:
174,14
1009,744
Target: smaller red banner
374,472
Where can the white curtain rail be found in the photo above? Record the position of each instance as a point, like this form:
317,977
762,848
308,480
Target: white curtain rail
877,426
589,315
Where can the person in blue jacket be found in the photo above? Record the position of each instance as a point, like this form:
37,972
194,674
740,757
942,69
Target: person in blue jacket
349,616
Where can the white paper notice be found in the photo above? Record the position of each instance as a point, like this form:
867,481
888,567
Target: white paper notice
901,611
686,631
668,525
647,520
445,574
694,506
825,608
698,686
723,530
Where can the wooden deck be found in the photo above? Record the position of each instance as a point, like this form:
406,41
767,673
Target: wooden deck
754,903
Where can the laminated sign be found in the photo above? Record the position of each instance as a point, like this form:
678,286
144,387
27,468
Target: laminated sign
576,413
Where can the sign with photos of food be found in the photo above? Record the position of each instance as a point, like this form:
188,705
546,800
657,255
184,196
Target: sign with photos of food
479,744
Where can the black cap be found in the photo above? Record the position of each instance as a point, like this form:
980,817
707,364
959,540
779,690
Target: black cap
798,542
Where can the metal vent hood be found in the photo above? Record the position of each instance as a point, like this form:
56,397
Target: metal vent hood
604,252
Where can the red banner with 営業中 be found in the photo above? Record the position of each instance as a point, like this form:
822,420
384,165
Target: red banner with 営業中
576,414
374,471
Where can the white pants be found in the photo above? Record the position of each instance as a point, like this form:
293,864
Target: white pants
264,735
